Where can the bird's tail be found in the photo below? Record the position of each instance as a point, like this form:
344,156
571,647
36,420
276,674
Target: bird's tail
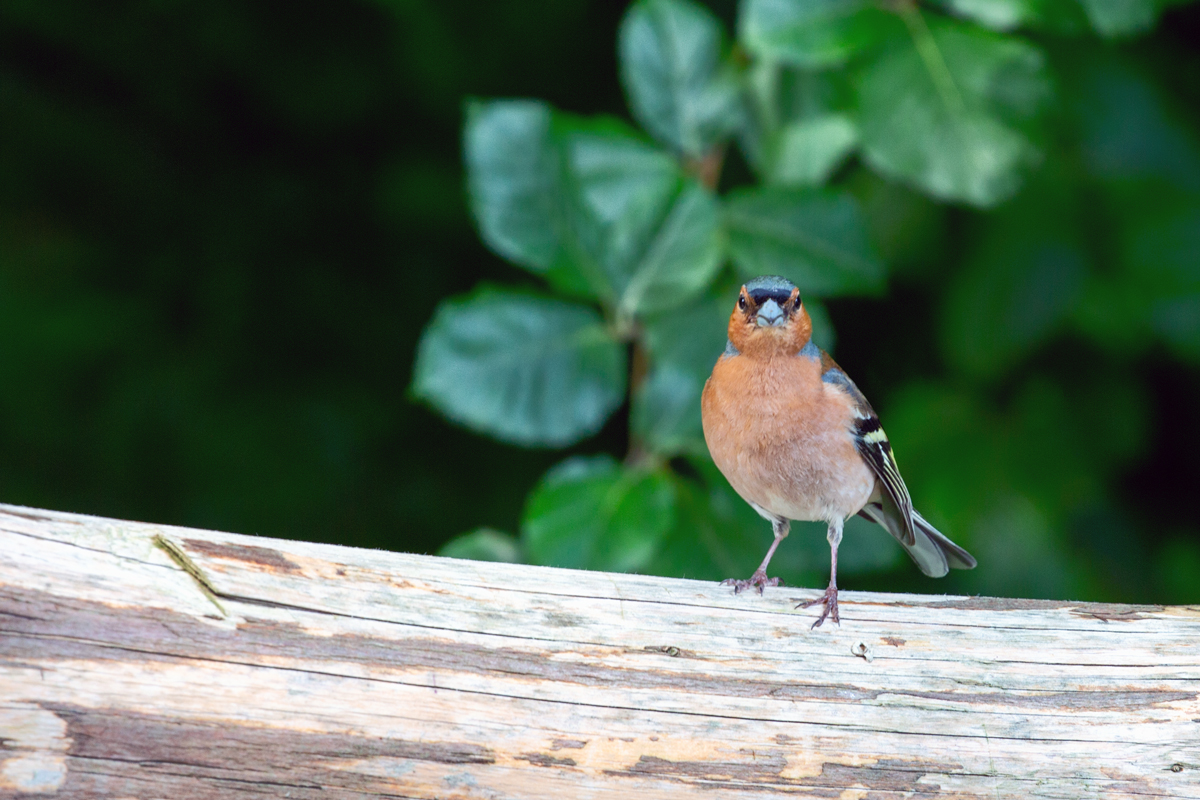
933,552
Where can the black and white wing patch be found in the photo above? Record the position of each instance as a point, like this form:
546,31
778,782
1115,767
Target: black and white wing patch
876,450
873,445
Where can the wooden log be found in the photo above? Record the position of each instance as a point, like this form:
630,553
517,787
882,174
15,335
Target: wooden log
146,661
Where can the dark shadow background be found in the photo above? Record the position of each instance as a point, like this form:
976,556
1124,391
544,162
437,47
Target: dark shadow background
224,224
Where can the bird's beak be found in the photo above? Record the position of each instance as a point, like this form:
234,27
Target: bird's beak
770,315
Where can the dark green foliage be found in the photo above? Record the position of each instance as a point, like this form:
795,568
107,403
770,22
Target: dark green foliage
671,66
483,544
941,109
951,104
814,238
590,513
224,227
587,203
530,370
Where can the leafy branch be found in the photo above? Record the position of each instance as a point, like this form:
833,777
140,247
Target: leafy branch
639,252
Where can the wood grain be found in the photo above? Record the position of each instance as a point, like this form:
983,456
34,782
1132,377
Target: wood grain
145,661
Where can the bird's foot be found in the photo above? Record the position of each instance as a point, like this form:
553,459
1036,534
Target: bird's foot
829,600
759,579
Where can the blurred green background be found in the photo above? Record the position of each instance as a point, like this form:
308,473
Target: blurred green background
223,227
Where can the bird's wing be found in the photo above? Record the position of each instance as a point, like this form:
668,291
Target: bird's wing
873,445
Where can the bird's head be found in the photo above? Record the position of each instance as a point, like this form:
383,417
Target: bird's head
769,317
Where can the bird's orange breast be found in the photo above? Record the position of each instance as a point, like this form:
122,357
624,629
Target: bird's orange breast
782,437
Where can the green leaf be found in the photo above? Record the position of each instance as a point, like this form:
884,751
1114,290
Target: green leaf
512,178
1161,273
1055,16
1177,321
814,238
617,190
808,151
1130,135
1055,456
648,237
1048,451
1145,159
999,15
802,106
950,483
1060,17
591,206
945,110
682,258
1113,18
908,227
483,544
524,369
1011,296
1162,249
693,336
682,346
678,89
1019,283
717,535
666,411
592,513
1154,291
812,33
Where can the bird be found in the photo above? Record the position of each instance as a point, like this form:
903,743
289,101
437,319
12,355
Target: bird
797,440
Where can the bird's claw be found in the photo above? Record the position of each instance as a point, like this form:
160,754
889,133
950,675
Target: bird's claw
759,579
829,600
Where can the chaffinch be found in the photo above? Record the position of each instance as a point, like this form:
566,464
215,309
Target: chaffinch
798,441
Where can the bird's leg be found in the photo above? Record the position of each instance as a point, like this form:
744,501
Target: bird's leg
780,527
829,599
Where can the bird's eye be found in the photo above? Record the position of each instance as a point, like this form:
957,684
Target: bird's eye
742,302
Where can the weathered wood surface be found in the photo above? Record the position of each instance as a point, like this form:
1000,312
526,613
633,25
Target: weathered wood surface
313,671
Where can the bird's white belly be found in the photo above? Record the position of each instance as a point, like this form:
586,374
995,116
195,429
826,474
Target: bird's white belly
812,477
839,502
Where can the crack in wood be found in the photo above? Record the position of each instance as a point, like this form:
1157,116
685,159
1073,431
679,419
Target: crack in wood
138,633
